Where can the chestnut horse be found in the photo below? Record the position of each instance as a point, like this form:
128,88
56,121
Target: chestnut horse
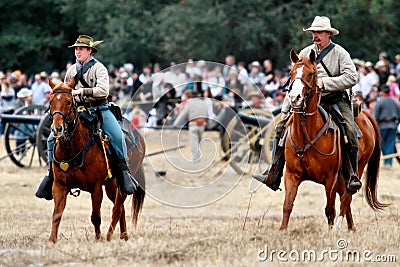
313,151
80,162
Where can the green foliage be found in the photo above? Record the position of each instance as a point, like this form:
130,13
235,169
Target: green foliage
34,35
30,35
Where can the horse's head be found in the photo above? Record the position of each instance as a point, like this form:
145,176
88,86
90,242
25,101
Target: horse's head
303,78
62,108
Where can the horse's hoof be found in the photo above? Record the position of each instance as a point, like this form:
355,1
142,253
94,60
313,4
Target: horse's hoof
124,236
352,229
109,237
97,235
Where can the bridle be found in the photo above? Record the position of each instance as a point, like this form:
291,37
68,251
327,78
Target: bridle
69,128
310,88
68,123
301,110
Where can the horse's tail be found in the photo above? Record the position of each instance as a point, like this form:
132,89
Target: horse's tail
138,196
373,169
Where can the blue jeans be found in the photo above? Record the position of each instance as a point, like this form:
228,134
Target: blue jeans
388,137
110,127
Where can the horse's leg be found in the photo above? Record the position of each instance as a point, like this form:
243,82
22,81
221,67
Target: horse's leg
122,225
116,213
291,186
60,200
345,210
330,212
97,198
111,191
349,218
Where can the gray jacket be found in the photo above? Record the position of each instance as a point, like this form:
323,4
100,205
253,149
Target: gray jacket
195,108
96,77
340,65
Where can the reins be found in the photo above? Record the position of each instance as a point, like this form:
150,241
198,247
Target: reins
303,115
67,122
310,88
77,159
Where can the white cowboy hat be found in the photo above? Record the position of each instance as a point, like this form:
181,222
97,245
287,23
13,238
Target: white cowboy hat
24,92
55,75
321,23
256,64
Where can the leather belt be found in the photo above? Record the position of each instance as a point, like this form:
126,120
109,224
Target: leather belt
96,103
199,122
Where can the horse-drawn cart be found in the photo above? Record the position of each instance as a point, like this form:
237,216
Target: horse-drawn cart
25,135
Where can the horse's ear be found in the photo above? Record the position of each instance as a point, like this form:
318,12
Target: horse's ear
51,83
293,56
312,56
72,82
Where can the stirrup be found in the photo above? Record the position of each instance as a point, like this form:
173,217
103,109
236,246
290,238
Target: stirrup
354,184
126,183
263,178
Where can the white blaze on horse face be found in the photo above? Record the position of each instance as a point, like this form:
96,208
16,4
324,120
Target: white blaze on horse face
296,92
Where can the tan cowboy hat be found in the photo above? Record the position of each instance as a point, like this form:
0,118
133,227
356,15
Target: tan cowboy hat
320,24
255,94
86,41
43,74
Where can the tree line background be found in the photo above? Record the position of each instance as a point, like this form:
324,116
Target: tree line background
34,35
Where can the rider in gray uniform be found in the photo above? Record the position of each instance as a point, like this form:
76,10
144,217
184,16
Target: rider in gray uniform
93,88
338,75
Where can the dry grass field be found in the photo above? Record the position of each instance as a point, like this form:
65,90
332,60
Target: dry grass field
228,228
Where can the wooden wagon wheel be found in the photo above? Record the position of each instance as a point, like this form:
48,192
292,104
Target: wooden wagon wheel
244,144
42,133
20,137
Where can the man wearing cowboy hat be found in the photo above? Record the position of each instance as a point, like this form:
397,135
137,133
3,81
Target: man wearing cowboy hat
336,73
24,98
92,87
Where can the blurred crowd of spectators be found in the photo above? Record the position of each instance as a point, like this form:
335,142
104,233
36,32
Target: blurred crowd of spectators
229,83
374,76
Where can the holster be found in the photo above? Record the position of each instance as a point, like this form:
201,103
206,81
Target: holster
333,98
116,110
338,119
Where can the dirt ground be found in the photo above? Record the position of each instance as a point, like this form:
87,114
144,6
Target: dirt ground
196,218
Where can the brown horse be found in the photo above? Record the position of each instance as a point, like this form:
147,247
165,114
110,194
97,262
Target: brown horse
313,151
81,163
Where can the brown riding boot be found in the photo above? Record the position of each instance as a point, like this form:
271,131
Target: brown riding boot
353,184
272,177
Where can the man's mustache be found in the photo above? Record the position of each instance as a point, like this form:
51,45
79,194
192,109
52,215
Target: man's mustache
317,40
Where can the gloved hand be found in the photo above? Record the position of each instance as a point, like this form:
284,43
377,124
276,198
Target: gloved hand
77,92
320,83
